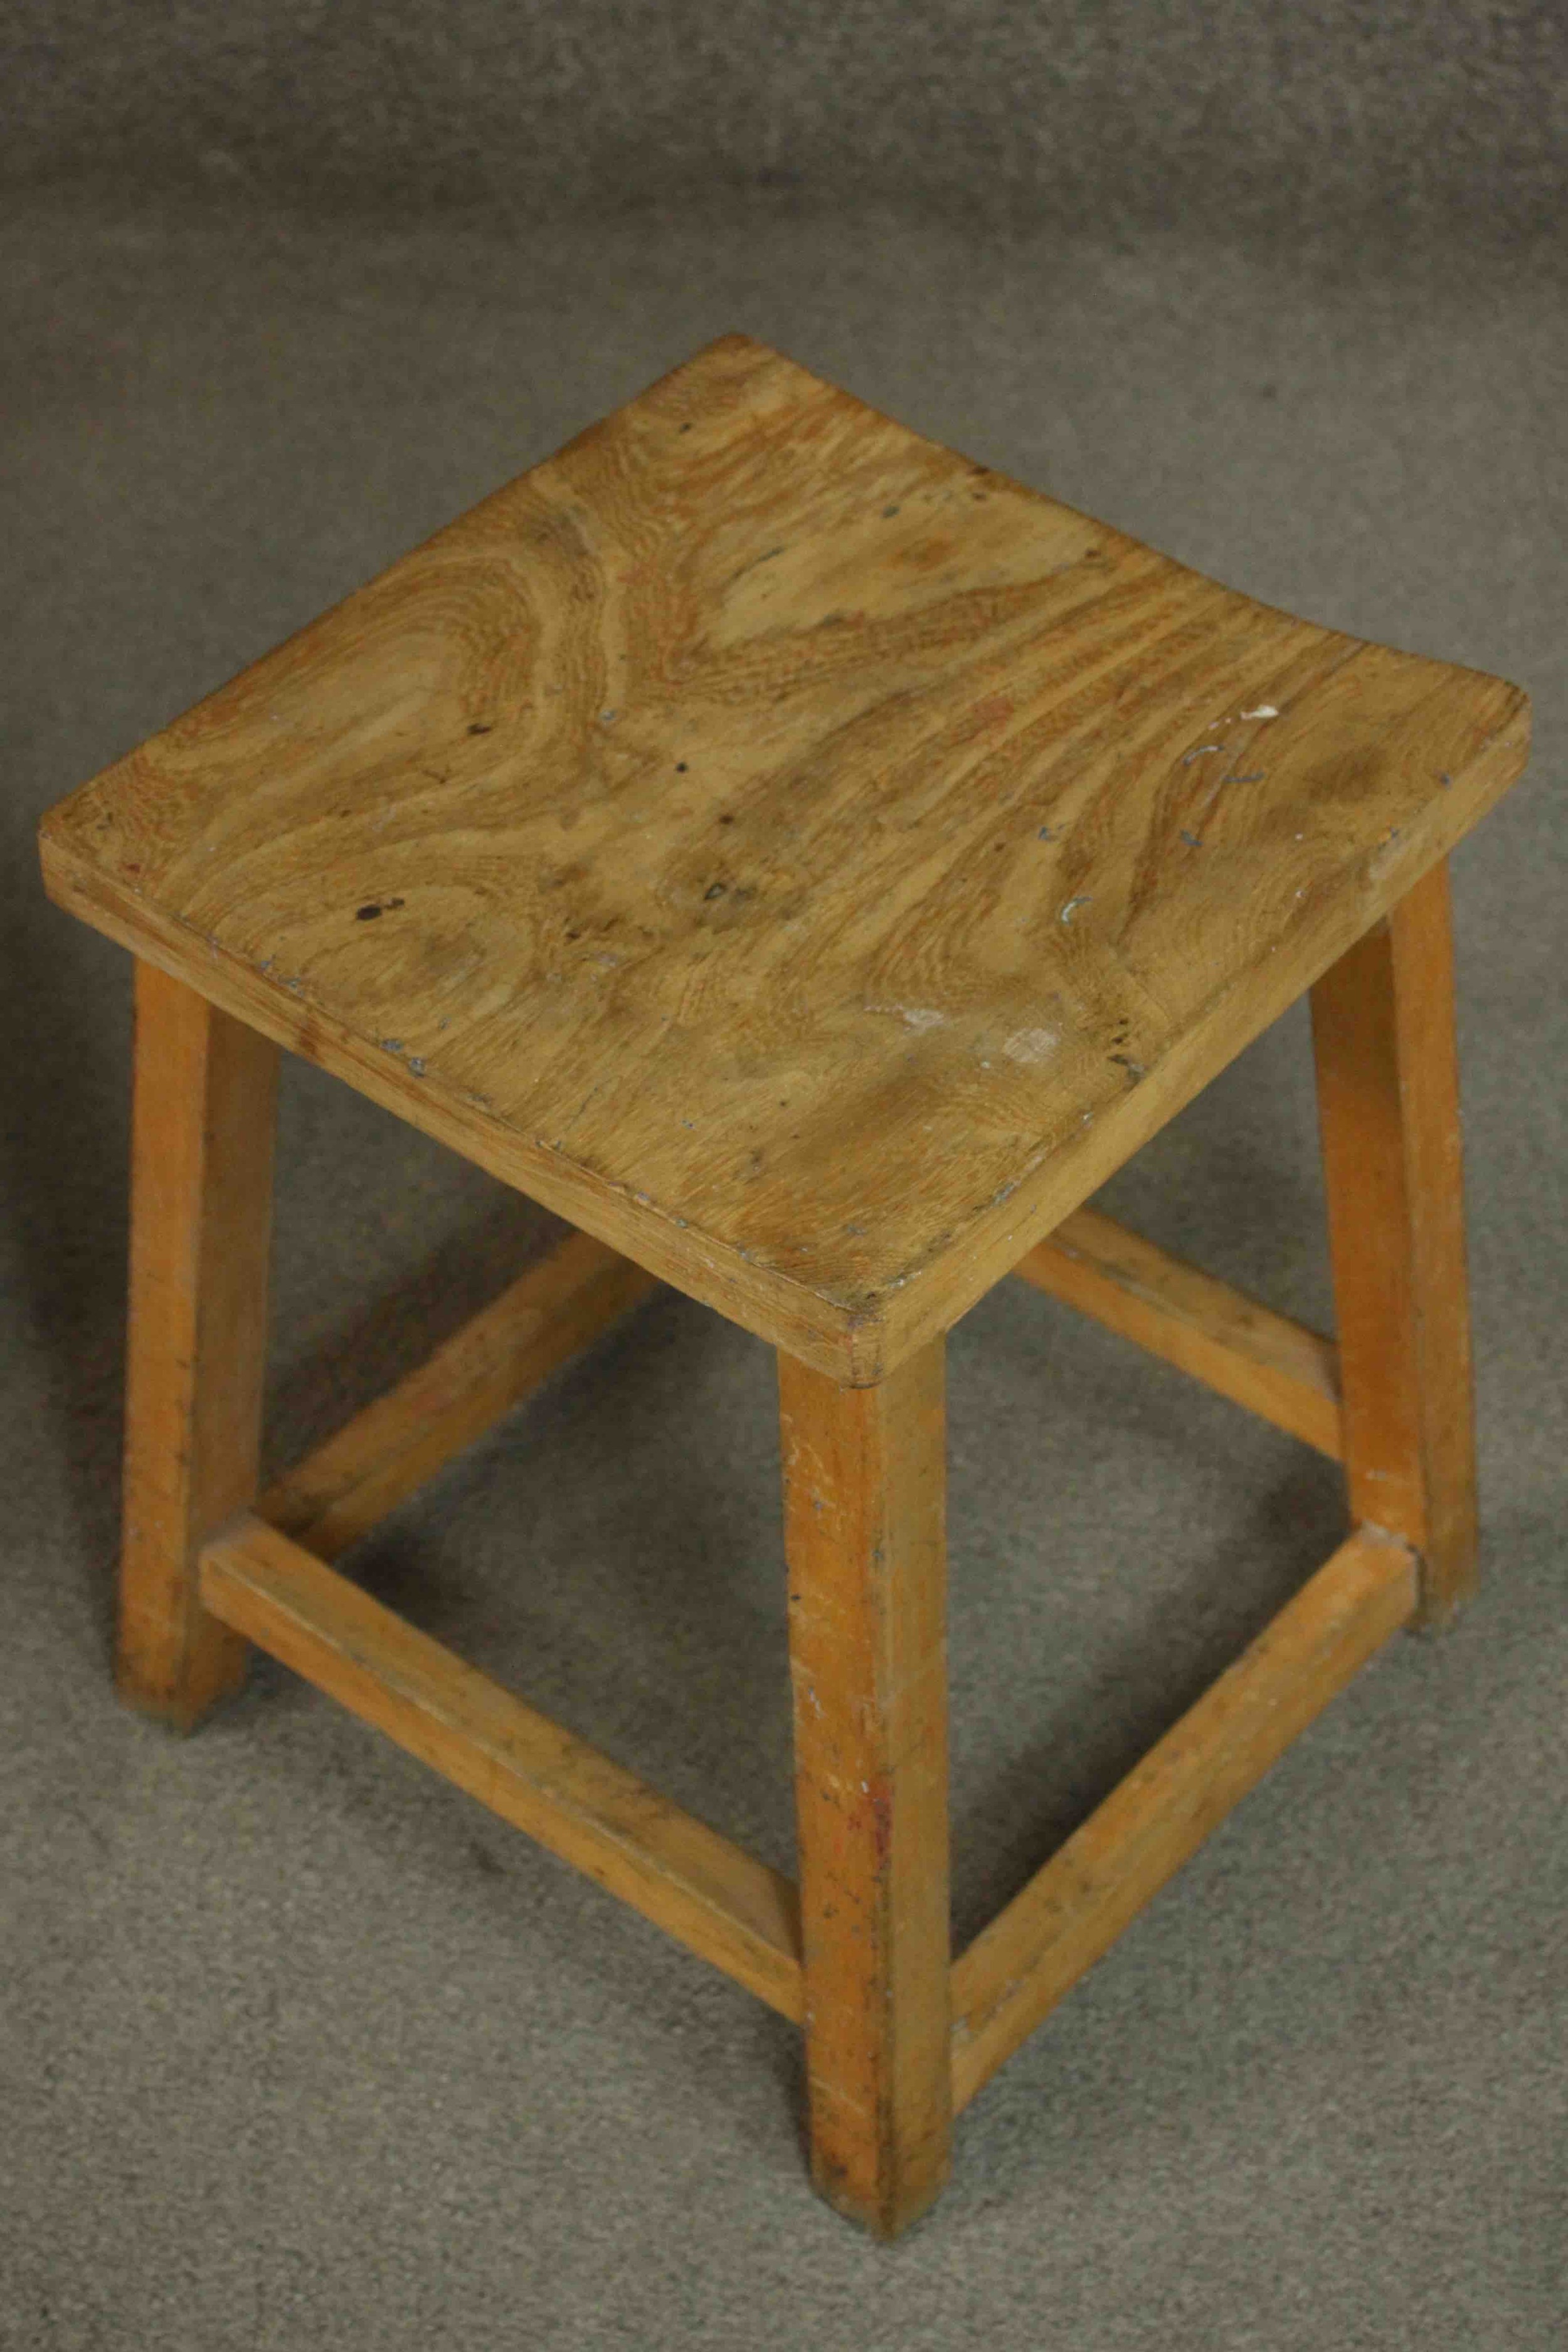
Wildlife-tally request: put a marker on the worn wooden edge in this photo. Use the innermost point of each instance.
(1275, 1366)
(1072, 1911)
(705, 1892)
(388, 1451)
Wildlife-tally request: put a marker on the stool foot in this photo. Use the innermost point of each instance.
(1383, 1026)
(864, 1507)
(201, 1203)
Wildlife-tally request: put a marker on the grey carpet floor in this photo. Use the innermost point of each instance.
(298, 2047)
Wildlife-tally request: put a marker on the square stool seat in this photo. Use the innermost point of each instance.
(810, 863)
(805, 858)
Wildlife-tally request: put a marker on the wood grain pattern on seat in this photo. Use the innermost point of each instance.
(802, 857)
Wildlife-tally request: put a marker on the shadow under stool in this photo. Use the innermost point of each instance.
(810, 863)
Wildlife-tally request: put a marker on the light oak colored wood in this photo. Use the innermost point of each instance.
(388, 1451)
(1388, 1099)
(201, 1214)
(689, 1880)
(864, 1477)
(1070, 1914)
(1273, 1366)
(811, 863)
(806, 859)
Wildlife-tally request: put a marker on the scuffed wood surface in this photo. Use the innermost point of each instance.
(865, 1529)
(799, 856)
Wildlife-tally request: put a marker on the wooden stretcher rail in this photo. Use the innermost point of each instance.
(684, 1877)
(388, 1452)
(1073, 1910)
(1275, 1366)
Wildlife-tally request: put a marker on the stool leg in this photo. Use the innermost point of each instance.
(865, 1479)
(201, 1207)
(1388, 1098)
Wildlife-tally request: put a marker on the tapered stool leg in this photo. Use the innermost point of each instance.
(864, 1477)
(201, 1205)
(1383, 1026)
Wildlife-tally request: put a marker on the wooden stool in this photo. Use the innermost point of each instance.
(810, 863)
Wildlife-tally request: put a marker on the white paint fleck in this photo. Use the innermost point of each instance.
(1031, 1044)
(1070, 909)
(1264, 710)
(915, 1016)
